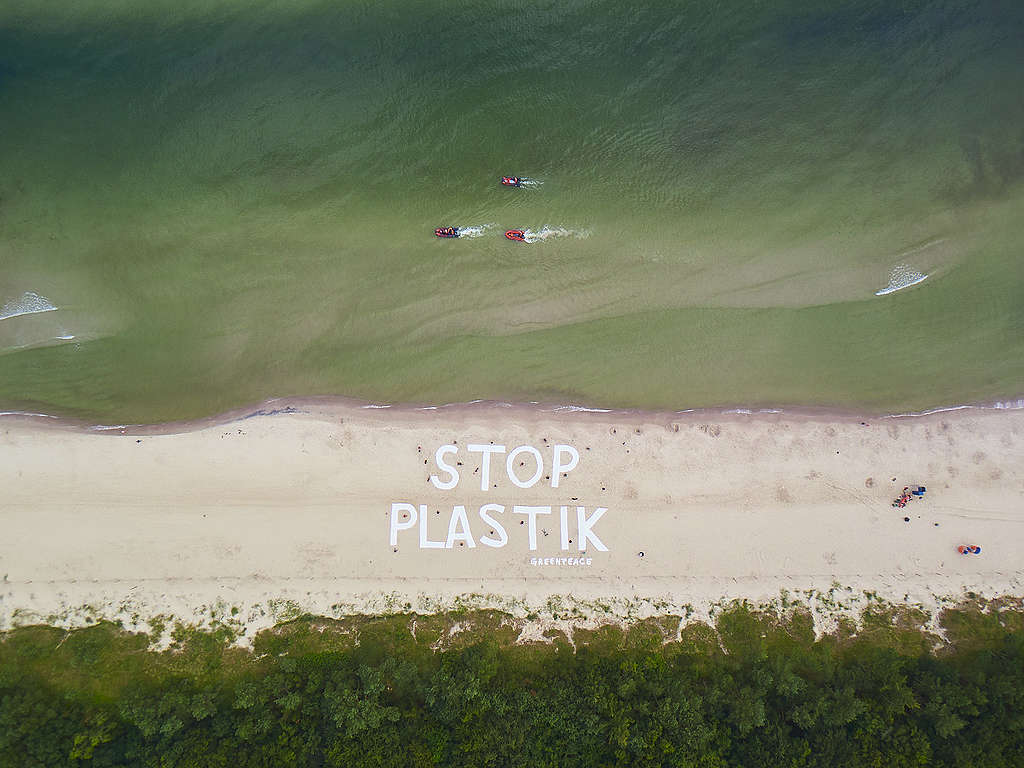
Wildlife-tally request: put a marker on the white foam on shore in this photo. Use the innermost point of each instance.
(902, 276)
(1008, 405)
(999, 405)
(29, 303)
(933, 410)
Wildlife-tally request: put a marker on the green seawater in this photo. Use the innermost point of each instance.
(228, 201)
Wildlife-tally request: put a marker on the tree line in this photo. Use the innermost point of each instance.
(756, 689)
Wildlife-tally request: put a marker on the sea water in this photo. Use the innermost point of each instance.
(791, 203)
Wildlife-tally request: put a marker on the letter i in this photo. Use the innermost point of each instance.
(565, 527)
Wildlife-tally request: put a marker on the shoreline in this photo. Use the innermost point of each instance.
(330, 404)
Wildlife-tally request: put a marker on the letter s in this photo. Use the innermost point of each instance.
(445, 485)
(502, 539)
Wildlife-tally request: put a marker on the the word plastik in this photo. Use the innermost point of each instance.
(564, 459)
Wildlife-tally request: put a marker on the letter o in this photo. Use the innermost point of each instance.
(510, 466)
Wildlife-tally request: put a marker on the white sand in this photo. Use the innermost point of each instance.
(257, 519)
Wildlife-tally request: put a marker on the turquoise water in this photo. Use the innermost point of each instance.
(231, 201)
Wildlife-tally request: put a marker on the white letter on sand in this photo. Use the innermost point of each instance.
(585, 524)
(502, 539)
(532, 526)
(426, 543)
(445, 485)
(511, 472)
(459, 516)
(557, 468)
(565, 527)
(396, 524)
(485, 462)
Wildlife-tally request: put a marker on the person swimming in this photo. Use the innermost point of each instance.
(511, 181)
(447, 231)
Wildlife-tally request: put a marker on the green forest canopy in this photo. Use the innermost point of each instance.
(756, 689)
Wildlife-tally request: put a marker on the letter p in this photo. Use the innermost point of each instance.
(397, 523)
(557, 467)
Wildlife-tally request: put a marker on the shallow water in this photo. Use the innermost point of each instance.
(229, 201)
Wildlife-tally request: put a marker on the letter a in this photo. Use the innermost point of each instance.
(459, 518)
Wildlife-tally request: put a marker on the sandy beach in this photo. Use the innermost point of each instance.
(331, 509)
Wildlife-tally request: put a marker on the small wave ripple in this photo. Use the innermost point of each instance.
(902, 277)
(29, 303)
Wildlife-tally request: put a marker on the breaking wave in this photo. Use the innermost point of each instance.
(902, 277)
(29, 303)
